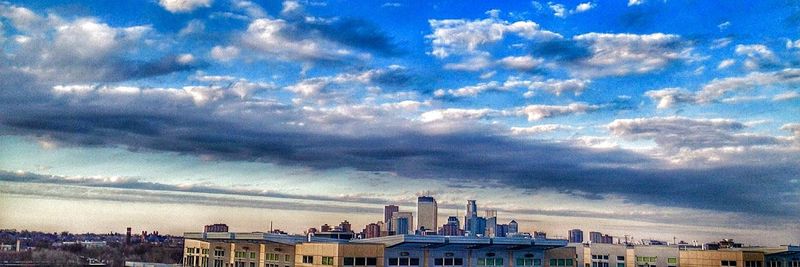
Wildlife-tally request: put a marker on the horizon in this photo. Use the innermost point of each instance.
(651, 118)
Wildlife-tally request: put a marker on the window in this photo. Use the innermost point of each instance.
(372, 261)
(252, 255)
(414, 262)
(361, 261)
(252, 264)
(327, 260)
(620, 264)
(493, 261)
(553, 262)
(620, 258)
(528, 262)
(219, 253)
(672, 260)
(727, 263)
(287, 258)
(308, 259)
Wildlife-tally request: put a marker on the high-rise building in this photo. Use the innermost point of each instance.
(325, 228)
(403, 223)
(427, 213)
(388, 211)
(480, 226)
(575, 236)
(471, 218)
(217, 227)
(491, 223)
(345, 226)
(372, 230)
(513, 227)
(501, 230)
(128, 236)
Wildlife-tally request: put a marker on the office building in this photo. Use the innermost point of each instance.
(491, 223)
(471, 217)
(427, 213)
(388, 211)
(788, 258)
(451, 228)
(597, 237)
(345, 226)
(513, 227)
(575, 236)
(501, 230)
(403, 223)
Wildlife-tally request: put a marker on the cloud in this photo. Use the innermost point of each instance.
(635, 2)
(465, 37)
(225, 54)
(676, 133)
(538, 112)
(621, 54)
(193, 27)
(577, 86)
(183, 6)
(583, 7)
(718, 88)
(723, 26)
(724, 64)
(558, 9)
(758, 56)
(786, 96)
(521, 63)
(539, 129)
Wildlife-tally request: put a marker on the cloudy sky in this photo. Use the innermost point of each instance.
(650, 118)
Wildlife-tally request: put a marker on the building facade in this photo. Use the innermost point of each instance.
(427, 213)
(575, 236)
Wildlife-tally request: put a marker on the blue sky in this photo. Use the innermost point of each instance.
(649, 118)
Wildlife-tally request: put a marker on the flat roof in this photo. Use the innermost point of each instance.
(259, 236)
(436, 241)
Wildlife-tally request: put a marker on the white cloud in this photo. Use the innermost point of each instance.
(726, 63)
(183, 6)
(583, 7)
(539, 129)
(538, 112)
(758, 55)
(185, 59)
(391, 4)
(668, 97)
(521, 63)
(474, 90)
(786, 96)
(721, 42)
(476, 62)
(455, 114)
(225, 54)
(459, 36)
(635, 2)
(577, 86)
(267, 36)
(194, 26)
(22, 17)
(723, 26)
(291, 7)
(620, 54)
(558, 9)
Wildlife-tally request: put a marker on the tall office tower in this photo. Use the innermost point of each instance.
(388, 211)
(452, 227)
(427, 213)
(403, 223)
(453, 220)
(470, 219)
(501, 230)
(480, 226)
(491, 223)
(596, 237)
(575, 236)
(387, 216)
(513, 227)
(128, 236)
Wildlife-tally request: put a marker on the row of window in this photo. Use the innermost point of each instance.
(646, 259)
(728, 263)
(245, 254)
(404, 261)
(528, 262)
(490, 261)
(561, 262)
(448, 261)
(752, 263)
(599, 257)
(277, 257)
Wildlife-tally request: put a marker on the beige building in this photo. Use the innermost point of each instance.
(723, 258)
(427, 213)
(338, 254)
(560, 257)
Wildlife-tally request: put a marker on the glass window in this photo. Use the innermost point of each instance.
(537, 262)
(414, 262)
(520, 262)
(308, 259)
(620, 258)
(393, 261)
(404, 261)
(498, 262)
(561, 262)
(620, 264)
(361, 261)
(438, 261)
(448, 261)
(553, 262)
(481, 261)
(458, 261)
(672, 260)
(372, 261)
(327, 260)
(349, 261)
(569, 262)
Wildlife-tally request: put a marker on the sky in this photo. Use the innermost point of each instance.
(649, 118)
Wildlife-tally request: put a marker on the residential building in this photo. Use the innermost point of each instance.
(513, 227)
(721, 257)
(372, 230)
(621, 255)
(388, 211)
(427, 213)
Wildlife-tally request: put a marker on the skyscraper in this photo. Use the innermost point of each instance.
(491, 223)
(372, 230)
(470, 219)
(388, 211)
(403, 223)
(513, 227)
(575, 236)
(427, 213)
(596, 237)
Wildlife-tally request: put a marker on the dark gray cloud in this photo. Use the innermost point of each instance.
(464, 157)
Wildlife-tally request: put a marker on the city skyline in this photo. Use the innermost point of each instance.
(644, 117)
